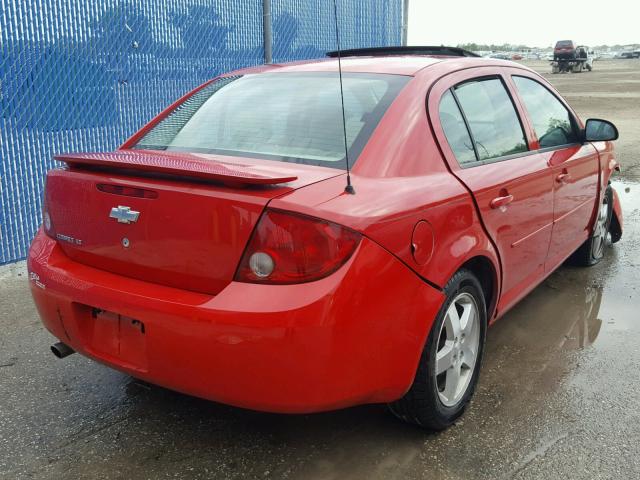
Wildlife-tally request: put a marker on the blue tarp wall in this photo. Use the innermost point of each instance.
(85, 74)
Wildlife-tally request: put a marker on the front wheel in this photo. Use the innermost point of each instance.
(450, 362)
(592, 250)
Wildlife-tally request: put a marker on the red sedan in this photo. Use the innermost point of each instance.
(218, 253)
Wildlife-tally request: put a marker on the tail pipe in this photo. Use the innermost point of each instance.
(62, 350)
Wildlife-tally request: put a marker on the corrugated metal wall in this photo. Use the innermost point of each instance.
(84, 74)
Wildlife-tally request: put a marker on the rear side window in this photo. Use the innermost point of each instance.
(455, 130)
(292, 117)
(551, 120)
(492, 118)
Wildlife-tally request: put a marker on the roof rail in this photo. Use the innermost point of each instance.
(409, 50)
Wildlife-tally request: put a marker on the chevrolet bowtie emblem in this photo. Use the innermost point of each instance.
(124, 214)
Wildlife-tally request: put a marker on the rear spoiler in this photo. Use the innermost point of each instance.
(179, 164)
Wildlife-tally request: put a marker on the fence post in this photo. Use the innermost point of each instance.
(405, 21)
(267, 31)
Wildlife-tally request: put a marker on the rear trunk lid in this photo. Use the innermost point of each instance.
(175, 219)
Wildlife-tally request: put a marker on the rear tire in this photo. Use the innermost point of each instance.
(454, 348)
(593, 249)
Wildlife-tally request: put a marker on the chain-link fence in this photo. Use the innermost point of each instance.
(84, 75)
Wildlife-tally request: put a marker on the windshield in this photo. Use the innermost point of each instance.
(564, 44)
(293, 117)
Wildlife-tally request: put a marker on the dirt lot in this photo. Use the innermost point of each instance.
(611, 91)
(558, 396)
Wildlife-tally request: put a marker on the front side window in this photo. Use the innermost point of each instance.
(455, 130)
(293, 117)
(551, 120)
(492, 118)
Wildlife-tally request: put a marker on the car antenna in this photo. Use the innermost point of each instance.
(349, 188)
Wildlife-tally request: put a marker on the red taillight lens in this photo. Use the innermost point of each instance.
(293, 248)
(46, 218)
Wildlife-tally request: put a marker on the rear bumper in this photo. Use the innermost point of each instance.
(354, 337)
(564, 55)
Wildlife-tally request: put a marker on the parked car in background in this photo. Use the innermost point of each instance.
(564, 50)
(217, 252)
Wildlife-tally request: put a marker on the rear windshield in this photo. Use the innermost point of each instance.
(564, 44)
(293, 117)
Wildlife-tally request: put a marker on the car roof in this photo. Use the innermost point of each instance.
(387, 64)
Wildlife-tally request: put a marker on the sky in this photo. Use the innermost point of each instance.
(537, 23)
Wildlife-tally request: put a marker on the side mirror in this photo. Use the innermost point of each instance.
(597, 130)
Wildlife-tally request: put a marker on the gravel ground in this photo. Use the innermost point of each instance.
(557, 398)
(611, 91)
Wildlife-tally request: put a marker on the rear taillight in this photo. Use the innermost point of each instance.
(46, 217)
(46, 221)
(292, 248)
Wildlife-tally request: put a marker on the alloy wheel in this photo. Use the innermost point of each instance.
(458, 345)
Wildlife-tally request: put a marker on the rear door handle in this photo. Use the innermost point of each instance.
(563, 177)
(501, 201)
